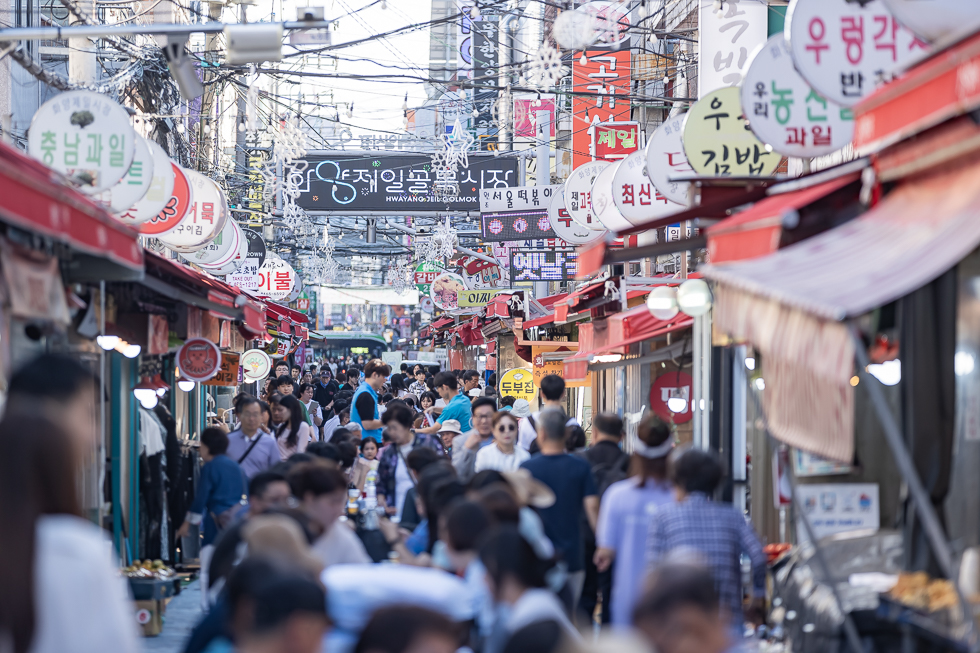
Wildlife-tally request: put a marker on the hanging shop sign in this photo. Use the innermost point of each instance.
(475, 298)
(427, 305)
(396, 183)
(634, 194)
(303, 303)
(847, 49)
(526, 108)
(256, 246)
(601, 87)
(479, 274)
(613, 141)
(228, 374)
(234, 263)
(297, 288)
(276, 279)
(935, 19)
(666, 160)
(160, 190)
(839, 507)
(578, 194)
(719, 143)
(134, 184)
(246, 276)
(198, 359)
(485, 74)
(518, 384)
(445, 290)
(516, 213)
(425, 273)
(785, 112)
(567, 229)
(674, 386)
(83, 135)
(219, 249)
(207, 210)
(542, 265)
(725, 41)
(175, 209)
(603, 205)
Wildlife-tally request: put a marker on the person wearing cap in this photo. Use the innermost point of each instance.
(552, 396)
(466, 445)
(624, 516)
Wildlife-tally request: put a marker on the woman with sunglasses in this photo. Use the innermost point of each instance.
(502, 455)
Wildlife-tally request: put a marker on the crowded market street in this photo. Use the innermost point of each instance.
(490, 326)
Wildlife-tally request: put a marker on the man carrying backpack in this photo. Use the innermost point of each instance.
(610, 464)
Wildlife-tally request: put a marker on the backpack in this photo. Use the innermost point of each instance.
(605, 474)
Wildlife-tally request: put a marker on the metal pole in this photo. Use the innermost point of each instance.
(920, 497)
(82, 53)
(739, 444)
(101, 31)
(543, 175)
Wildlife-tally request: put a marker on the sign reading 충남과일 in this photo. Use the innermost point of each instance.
(400, 183)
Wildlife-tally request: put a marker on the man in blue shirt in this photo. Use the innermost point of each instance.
(457, 405)
(364, 404)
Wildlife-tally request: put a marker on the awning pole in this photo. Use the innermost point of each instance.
(920, 498)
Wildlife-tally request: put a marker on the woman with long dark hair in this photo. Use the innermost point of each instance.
(293, 432)
(624, 515)
(59, 591)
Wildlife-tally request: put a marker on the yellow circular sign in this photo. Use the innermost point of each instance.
(518, 384)
(718, 141)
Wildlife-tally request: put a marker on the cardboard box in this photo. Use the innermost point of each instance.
(149, 615)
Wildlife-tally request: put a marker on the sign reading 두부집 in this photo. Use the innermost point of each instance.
(518, 383)
(401, 183)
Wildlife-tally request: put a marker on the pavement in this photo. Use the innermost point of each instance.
(183, 613)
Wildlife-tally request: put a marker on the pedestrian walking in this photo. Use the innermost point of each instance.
(250, 446)
(553, 396)
(60, 591)
(466, 446)
(394, 475)
(503, 455)
(293, 433)
(625, 511)
(221, 492)
(321, 489)
(458, 405)
(717, 532)
(570, 478)
(364, 404)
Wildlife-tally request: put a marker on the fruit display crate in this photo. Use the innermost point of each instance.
(150, 589)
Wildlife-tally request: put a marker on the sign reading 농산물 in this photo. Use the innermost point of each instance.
(718, 142)
(400, 183)
(847, 49)
(784, 111)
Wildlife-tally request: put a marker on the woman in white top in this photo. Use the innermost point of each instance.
(59, 589)
(293, 432)
(503, 455)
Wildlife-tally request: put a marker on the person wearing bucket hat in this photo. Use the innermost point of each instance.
(450, 428)
(521, 408)
(621, 533)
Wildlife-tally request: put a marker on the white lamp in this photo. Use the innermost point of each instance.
(889, 372)
(131, 351)
(662, 302)
(107, 342)
(694, 297)
(677, 405)
(185, 384)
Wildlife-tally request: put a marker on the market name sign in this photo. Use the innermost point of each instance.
(475, 298)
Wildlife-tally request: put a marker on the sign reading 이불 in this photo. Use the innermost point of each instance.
(401, 183)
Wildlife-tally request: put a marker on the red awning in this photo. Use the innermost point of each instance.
(941, 87)
(757, 230)
(278, 312)
(627, 328)
(33, 197)
(498, 307)
(539, 321)
(442, 323)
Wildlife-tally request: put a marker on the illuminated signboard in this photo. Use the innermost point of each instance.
(542, 265)
(516, 213)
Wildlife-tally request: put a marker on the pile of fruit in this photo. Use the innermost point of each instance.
(149, 569)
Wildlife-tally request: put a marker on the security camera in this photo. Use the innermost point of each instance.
(309, 13)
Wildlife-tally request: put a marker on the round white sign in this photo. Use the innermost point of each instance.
(785, 112)
(578, 194)
(256, 365)
(276, 278)
(203, 214)
(846, 49)
(666, 159)
(235, 259)
(159, 192)
(935, 19)
(83, 135)
(602, 200)
(426, 305)
(445, 290)
(635, 196)
(134, 184)
(220, 248)
(567, 229)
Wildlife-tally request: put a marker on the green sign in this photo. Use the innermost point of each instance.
(425, 274)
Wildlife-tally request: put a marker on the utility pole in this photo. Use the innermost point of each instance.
(83, 52)
(543, 175)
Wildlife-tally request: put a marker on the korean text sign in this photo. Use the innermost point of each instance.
(615, 141)
(604, 82)
(725, 42)
(516, 213)
(380, 181)
(542, 265)
(718, 142)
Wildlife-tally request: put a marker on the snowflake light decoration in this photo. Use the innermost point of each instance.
(398, 275)
(451, 153)
(545, 68)
(288, 150)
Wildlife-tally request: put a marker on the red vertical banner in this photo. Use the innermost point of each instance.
(602, 88)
